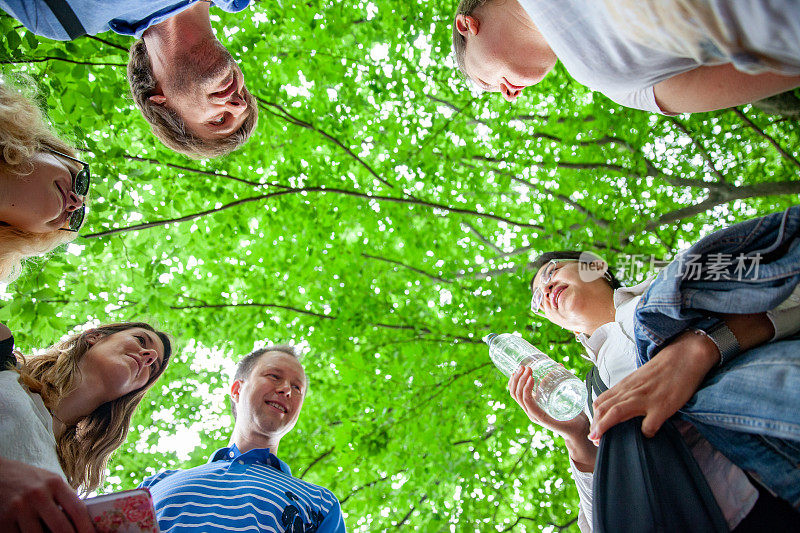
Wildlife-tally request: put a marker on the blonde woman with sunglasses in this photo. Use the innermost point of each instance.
(42, 184)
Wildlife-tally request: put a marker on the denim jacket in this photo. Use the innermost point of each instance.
(748, 408)
(750, 267)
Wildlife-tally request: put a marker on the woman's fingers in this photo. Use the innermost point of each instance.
(528, 391)
(35, 499)
(512, 386)
(54, 518)
(653, 422)
(612, 413)
(29, 523)
(75, 509)
(519, 393)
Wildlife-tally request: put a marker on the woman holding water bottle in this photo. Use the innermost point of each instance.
(577, 292)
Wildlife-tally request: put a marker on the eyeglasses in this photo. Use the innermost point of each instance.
(547, 274)
(80, 186)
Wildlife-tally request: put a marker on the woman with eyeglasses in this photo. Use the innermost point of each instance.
(63, 413)
(42, 185)
(577, 291)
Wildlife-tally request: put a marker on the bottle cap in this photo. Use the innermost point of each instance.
(488, 338)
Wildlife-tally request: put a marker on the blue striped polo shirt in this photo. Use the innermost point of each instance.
(234, 491)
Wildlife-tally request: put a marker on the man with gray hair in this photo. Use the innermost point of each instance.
(245, 486)
(183, 80)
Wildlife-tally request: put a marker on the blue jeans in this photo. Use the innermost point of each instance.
(698, 282)
(750, 411)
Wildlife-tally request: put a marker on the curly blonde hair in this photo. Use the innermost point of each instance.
(24, 132)
(84, 448)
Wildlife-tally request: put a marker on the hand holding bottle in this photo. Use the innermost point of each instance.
(557, 392)
(575, 432)
(522, 386)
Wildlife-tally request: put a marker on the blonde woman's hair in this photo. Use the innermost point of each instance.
(17, 245)
(24, 133)
(85, 447)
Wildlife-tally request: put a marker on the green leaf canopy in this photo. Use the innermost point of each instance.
(383, 217)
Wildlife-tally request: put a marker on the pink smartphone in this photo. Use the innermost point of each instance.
(129, 511)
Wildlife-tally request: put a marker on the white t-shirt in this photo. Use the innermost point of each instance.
(26, 427)
(600, 51)
(612, 350)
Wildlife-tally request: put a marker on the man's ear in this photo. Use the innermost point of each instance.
(236, 386)
(467, 24)
(158, 99)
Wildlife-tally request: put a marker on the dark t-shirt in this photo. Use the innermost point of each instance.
(7, 359)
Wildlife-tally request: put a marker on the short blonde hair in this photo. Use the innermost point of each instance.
(24, 132)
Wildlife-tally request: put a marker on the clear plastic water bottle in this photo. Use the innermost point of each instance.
(558, 392)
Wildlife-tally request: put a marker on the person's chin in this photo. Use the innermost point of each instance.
(532, 76)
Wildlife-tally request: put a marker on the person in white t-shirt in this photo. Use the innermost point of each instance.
(63, 413)
(678, 56)
(601, 314)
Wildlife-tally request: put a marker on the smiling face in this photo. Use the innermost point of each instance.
(504, 51)
(269, 400)
(42, 200)
(571, 302)
(122, 362)
(206, 88)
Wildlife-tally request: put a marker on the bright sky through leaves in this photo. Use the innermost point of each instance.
(383, 216)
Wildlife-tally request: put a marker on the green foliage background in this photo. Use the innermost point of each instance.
(384, 216)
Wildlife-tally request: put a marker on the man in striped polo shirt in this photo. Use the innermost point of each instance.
(245, 487)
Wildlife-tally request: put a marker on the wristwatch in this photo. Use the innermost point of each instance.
(721, 335)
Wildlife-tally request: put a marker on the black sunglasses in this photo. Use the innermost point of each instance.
(80, 186)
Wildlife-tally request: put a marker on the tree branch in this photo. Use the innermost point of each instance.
(483, 274)
(518, 520)
(603, 223)
(282, 113)
(370, 484)
(66, 60)
(398, 263)
(315, 461)
(109, 43)
(571, 165)
(322, 190)
(185, 218)
(652, 170)
(203, 172)
(700, 148)
(765, 135)
(253, 304)
(481, 238)
(405, 327)
(735, 193)
(413, 508)
(502, 484)
(486, 435)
